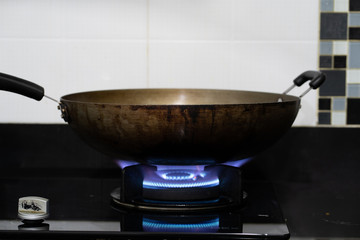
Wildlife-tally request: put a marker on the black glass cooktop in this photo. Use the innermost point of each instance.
(81, 207)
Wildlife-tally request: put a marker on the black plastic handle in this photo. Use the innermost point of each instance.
(316, 79)
(20, 86)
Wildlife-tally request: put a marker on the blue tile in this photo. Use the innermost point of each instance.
(353, 90)
(354, 19)
(338, 104)
(327, 5)
(326, 47)
(354, 55)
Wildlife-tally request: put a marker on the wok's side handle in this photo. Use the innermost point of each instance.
(20, 86)
(316, 79)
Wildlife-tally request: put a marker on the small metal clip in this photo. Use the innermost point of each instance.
(64, 113)
(62, 108)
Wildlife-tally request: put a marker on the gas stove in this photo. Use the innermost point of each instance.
(138, 201)
(174, 188)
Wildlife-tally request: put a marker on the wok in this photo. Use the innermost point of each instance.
(176, 126)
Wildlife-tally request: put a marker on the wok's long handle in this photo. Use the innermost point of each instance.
(29, 89)
(316, 79)
(20, 86)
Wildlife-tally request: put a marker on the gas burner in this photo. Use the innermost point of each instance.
(177, 175)
(179, 183)
(179, 188)
(170, 206)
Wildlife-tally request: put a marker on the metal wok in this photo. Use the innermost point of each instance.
(176, 126)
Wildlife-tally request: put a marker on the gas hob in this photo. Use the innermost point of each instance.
(81, 207)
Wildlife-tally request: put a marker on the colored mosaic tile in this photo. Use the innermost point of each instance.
(324, 103)
(354, 5)
(340, 48)
(338, 104)
(339, 61)
(354, 19)
(341, 5)
(326, 47)
(353, 113)
(338, 118)
(354, 55)
(325, 62)
(353, 76)
(324, 118)
(354, 33)
(353, 90)
(327, 5)
(333, 26)
(335, 83)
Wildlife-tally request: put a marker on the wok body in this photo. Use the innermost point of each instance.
(180, 126)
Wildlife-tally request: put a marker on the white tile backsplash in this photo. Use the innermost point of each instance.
(271, 67)
(64, 67)
(288, 20)
(69, 46)
(109, 19)
(190, 64)
(190, 20)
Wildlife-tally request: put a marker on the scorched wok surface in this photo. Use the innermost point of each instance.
(180, 126)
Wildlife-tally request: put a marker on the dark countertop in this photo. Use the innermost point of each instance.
(316, 175)
(314, 171)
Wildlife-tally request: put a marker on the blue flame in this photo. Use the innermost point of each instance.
(178, 175)
(175, 177)
(150, 225)
(237, 163)
(166, 185)
(125, 163)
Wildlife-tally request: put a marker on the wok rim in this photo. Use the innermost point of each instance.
(285, 97)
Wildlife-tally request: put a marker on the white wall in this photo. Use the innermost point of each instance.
(69, 46)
